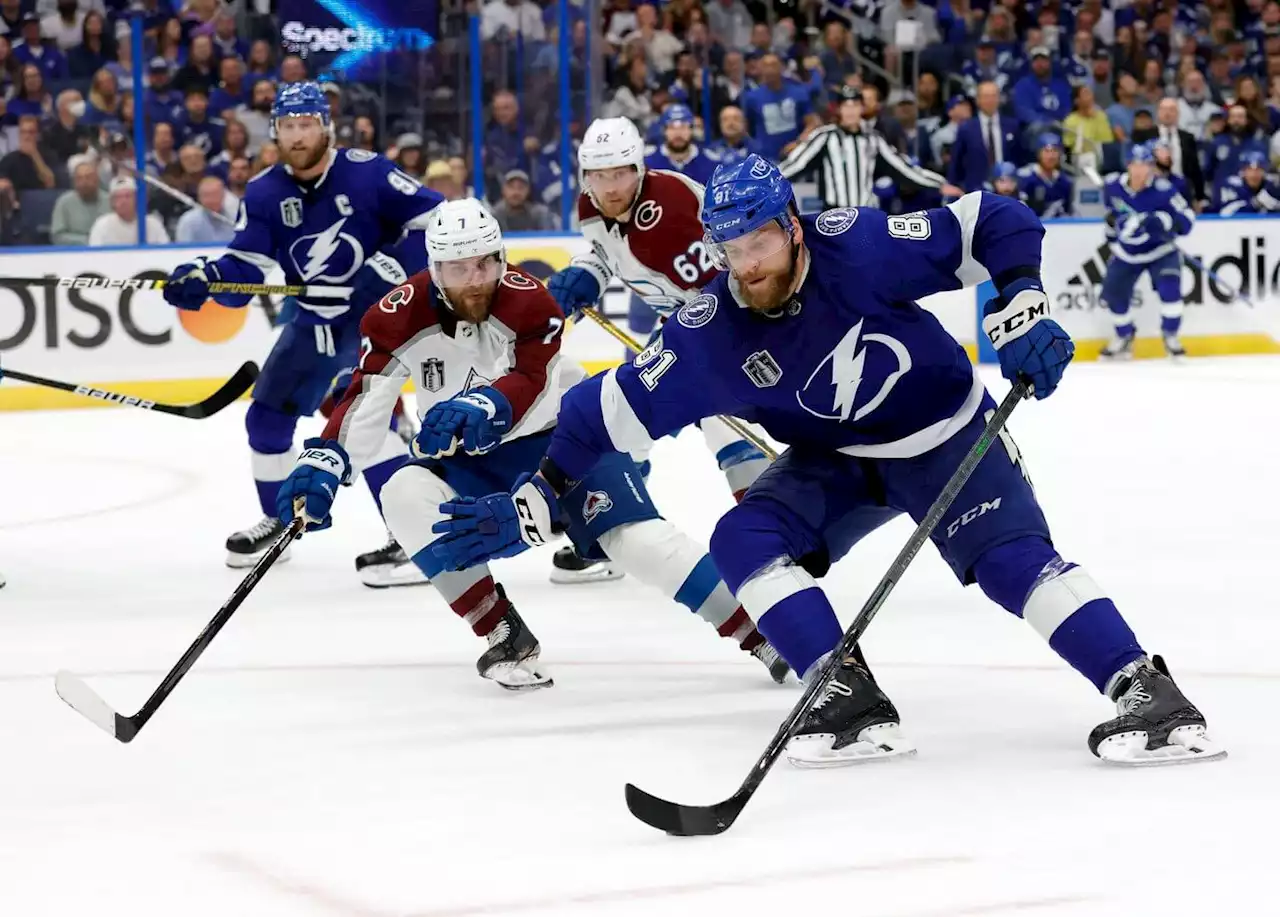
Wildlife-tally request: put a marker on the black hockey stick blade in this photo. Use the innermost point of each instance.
(82, 699)
(229, 392)
(686, 821)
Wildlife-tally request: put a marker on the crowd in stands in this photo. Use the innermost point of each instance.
(983, 93)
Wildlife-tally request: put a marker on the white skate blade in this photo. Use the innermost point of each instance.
(519, 676)
(875, 743)
(1187, 745)
(596, 573)
(242, 561)
(387, 576)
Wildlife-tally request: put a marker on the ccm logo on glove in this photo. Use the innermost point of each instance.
(1013, 321)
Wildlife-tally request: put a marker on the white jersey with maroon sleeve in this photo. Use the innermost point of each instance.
(659, 253)
(410, 333)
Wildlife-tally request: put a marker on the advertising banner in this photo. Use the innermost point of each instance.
(349, 39)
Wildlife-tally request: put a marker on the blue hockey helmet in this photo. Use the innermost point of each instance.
(1253, 159)
(742, 197)
(1048, 140)
(677, 114)
(295, 100)
(1141, 152)
(1004, 170)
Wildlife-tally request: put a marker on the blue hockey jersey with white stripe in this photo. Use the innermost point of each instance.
(850, 362)
(1131, 240)
(699, 166)
(1234, 196)
(1048, 195)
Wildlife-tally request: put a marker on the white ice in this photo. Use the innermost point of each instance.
(334, 753)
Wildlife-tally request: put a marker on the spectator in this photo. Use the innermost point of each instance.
(169, 44)
(197, 128)
(409, 156)
(32, 98)
(231, 90)
(504, 19)
(226, 42)
(199, 70)
(9, 74)
(1249, 94)
(161, 102)
(1100, 79)
(66, 136)
(837, 58)
(1130, 53)
(1219, 77)
(731, 22)
(874, 118)
(1040, 99)
(256, 115)
(686, 84)
(515, 212)
(896, 12)
(982, 141)
(104, 99)
(1195, 107)
(27, 167)
(634, 98)
(943, 140)
(120, 226)
(213, 222)
(984, 69)
(731, 83)
(75, 211)
(1225, 150)
(239, 171)
(33, 49)
(777, 110)
(293, 69)
(929, 101)
(734, 143)
(504, 148)
(1087, 128)
(461, 174)
(122, 67)
(1078, 66)
(1126, 106)
(344, 126)
(11, 16)
(366, 135)
(268, 156)
(261, 62)
(660, 46)
(95, 49)
(185, 176)
(620, 19)
(235, 144)
(1152, 89)
(1183, 151)
(163, 154)
(439, 178)
(65, 27)
(761, 40)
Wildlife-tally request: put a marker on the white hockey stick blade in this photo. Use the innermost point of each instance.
(82, 699)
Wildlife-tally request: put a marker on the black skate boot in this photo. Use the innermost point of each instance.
(1156, 725)
(1173, 348)
(776, 665)
(1119, 347)
(245, 548)
(568, 567)
(512, 657)
(853, 721)
(389, 566)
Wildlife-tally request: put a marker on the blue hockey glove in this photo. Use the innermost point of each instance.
(574, 289)
(1158, 224)
(476, 421)
(322, 466)
(1027, 341)
(188, 285)
(499, 525)
(377, 277)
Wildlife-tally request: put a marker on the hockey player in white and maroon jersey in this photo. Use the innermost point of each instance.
(644, 229)
(482, 341)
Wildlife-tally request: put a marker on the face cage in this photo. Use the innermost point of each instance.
(720, 257)
(438, 281)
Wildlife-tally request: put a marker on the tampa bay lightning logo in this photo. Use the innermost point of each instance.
(835, 221)
(834, 391)
(331, 256)
(698, 311)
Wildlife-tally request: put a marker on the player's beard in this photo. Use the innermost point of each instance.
(770, 291)
(301, 159)
(471, 304)
(679, 148)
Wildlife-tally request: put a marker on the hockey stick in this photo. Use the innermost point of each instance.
(230, 392)
(81, 698)
(683, 821)
(220, 286)
(732, 422)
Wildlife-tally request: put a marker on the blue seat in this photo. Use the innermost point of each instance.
(37, 214)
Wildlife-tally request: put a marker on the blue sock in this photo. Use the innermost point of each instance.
(376, 476)
(802, 627)
(1170, 325)
(1096, 641)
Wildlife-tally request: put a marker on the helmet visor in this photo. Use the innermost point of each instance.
(477, 271)
(745, 252)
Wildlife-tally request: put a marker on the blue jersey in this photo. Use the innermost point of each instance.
(722, 152)
(776, 118)
(1234, 196)
(1048, 195)
(974, 73)
(206, 134)
(323, 232)
(849, 363)
(698, 167)
(1133, 242)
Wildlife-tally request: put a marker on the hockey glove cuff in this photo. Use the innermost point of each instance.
(322, 467)
(573, 289)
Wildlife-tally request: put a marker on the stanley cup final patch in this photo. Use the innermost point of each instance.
(762, 369)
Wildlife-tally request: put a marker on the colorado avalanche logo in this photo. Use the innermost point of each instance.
(698, 311)
(647, 215)
(835, 221)
(332, 256)
(519, 281)
(597, 502)
(832, 390)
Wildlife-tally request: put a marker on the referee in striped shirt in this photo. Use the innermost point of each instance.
(848, 157)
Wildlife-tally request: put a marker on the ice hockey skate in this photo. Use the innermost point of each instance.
(1119, 347)
(512, 657)
(776, 665)
(1173, 348)
(1156, 725)
(389, 566)
(246, 547)
(568, 568)
(853, 722)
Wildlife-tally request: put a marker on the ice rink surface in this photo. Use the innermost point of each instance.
(334, 753)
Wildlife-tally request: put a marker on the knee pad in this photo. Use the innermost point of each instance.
(1007, 572)
(746, 541)
(270, 431)
(411, 501)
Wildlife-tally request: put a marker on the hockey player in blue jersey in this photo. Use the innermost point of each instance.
(336, 221)
(815, 334)
(1145, 215)
(1004, 181)
(1251, 191)
(1164, 168)
(679, 153)
(1042, 185)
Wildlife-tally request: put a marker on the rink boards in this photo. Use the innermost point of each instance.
(138, 344)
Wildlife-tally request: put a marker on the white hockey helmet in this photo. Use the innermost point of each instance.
(463, 230)
(609, 144)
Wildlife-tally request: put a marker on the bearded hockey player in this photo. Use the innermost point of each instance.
(1145, 215)
(815, 333)
(643, 228)
(482, 341)
(1251, 191)
(325, 216)
(679, 153)
(1042, 185)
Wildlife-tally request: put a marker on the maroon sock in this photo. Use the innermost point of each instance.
(740, 628)
(481, 606)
